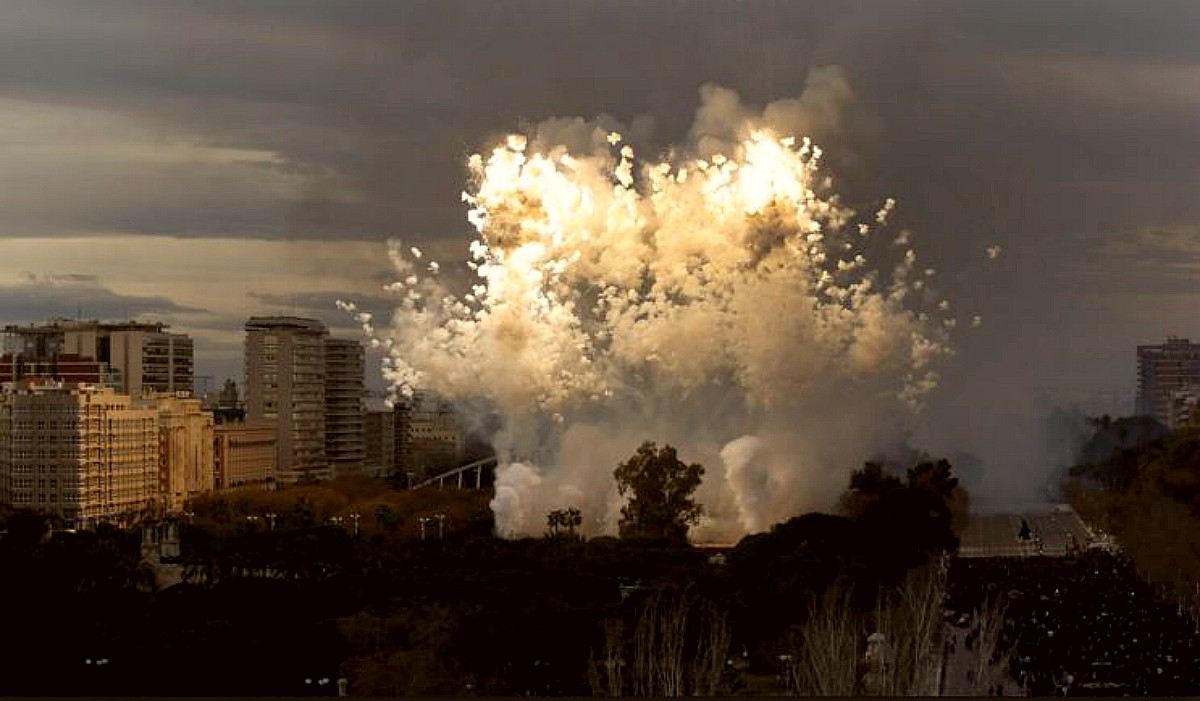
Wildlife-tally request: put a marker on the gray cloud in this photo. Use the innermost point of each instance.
(369, 101)
(41, 297)
(325, 303)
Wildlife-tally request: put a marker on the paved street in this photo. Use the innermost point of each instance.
(997, 535)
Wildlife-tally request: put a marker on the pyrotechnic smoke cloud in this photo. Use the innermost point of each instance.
(719, 299)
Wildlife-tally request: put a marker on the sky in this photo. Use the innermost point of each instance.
(197, 163)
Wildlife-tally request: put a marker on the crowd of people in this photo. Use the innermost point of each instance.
(1076, 626)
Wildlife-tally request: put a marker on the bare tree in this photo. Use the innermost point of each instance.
(677, 648)
(606, 674)
(824, 651)
(893, 651)
(712, 649)
(910, 620)
(658, 641)
(986, 674)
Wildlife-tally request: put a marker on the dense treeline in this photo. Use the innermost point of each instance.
(1142, 483)
(279, 589)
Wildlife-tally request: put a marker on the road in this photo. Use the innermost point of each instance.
(997, 535)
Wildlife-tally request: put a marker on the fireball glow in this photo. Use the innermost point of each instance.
(690, 301)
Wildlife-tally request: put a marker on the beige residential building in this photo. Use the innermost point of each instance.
(285, 384)
(344, 406)
(185, 447)
(81, 452)
(244, 454)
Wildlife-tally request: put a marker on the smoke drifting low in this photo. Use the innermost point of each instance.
(719, 299)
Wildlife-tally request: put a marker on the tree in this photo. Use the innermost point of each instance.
(563, 522)
(659, 486)
(934, 477)
(867, 486)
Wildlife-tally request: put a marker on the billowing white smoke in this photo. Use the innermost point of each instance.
(515, 486)
(748, 480)
(721, 292)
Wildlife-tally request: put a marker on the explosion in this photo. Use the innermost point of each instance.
(725, 305)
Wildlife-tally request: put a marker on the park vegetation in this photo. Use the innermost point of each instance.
(404, 592)
(1141, 483)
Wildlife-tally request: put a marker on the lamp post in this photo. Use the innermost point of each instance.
(441, 521)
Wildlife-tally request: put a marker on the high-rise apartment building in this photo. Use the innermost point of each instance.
(379, 442)
(132, 357)
(344, 405)
(83, 453)
(1164, 370)
(185, 447)
(285, 383)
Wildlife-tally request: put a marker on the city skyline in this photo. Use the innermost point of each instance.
(202, 164)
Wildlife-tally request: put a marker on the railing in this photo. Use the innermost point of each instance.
(478, 466)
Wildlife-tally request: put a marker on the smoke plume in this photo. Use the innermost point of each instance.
(718, 299)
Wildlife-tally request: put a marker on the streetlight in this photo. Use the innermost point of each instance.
(441, 521)
(271, 518)
(355, 515)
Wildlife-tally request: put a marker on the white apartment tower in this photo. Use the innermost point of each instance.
(285, 383)
(1166, 370)
(138, 357)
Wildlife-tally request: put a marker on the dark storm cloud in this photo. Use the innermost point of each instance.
(325, 303)
(963, 108)
(41, 297)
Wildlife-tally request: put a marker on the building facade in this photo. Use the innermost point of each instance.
(1168, 370)
(186, 466)
(83, 453)
(344, 367)
(245, 454)
(379, 442)
(132, 357)
(285, 384)
(429, 435)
